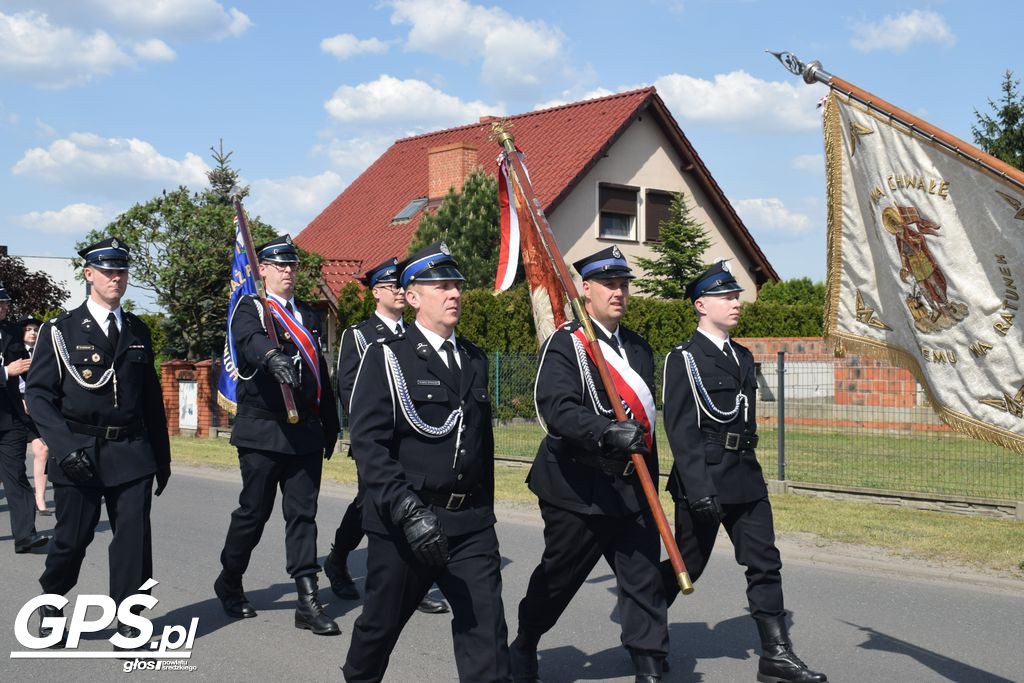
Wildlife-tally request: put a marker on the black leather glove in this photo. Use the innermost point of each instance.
(622, 439)
(707, 510)
(162, 475)
(77, 466)
(422, 531)
(282, 368)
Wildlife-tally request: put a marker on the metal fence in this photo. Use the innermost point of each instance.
(851, 422)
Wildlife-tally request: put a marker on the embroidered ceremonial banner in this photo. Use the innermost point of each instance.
(924, 265)
(519, 236)
(242, 284)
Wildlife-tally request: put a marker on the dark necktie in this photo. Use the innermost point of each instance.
(613, 341)
(399, 327)
(288, 305)
(728, 351)
(453, 366)
(112, 332)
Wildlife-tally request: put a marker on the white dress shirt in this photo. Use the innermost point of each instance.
(435, 340)
(100, 313)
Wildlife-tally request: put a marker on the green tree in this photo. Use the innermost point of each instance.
(682, 243)
(1001, 134)
(793, 291)
(31, 292)
(470, 222)
(181, 244)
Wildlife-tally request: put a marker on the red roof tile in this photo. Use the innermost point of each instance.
(562, 144)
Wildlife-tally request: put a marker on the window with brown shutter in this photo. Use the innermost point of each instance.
(657, 208)
(617, 209)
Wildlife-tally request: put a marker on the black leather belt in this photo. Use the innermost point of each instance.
(611, 466)
(110, 432)
(449, 501)
(732, 441)
(260, 414)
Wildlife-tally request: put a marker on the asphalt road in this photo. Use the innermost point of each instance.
(853, 624)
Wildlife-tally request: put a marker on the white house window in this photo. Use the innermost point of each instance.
(617, 209)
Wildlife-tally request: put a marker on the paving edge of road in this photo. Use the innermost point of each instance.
(796, 548)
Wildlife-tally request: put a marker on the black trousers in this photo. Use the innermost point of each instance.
(131, 549)
(752, 531)
(350, 532)
(21, 499)
(263, 472)
(395, 584)
(573, 543)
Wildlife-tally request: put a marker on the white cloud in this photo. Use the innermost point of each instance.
(389, 101)
(352, 156)
(73, 219)
(45, 130)
(113, 165)
(154, 49)
(513, 52)
(770, 216)
(737, 99)
(809, 163)
(182, 19)
(8, 117)
(898, 33)
(34, 50)
(566, 97)
(345, 45)
(289, 204)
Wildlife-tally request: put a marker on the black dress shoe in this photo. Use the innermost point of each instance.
(336, 569)
(232, 598)
(35, 540)
(431, 606)
(129, 632)
(45, 631)
(44, 512)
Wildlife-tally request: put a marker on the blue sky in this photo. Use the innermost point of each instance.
(104, 103)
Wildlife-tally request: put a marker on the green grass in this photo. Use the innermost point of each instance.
(941, 463)
(977, 542)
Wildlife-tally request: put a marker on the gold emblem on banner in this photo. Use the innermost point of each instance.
(856, 132)
(928, 300)
(1015, 203)
(867, 315)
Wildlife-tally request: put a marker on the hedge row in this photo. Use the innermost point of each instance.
(504, 322)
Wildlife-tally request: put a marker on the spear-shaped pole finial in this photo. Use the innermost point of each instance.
(811, 73)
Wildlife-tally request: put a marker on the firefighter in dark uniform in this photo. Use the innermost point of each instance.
(423, 441)
(386, 322)
(95, 399)
(590, 499)
(14, 432)
(272, 453)
(716, 480)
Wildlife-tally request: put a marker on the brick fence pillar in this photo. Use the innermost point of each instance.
(171, 372)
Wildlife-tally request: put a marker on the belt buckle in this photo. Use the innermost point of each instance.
(732, 441)
(455, 501)
(112, 433)
(629, 469)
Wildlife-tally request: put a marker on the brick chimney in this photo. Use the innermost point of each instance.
(448, 166)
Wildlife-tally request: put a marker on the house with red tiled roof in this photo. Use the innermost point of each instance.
(604, 170)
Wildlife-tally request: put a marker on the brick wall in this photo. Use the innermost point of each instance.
(858, 380)
(448, 166)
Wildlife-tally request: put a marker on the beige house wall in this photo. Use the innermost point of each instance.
(643, 157)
